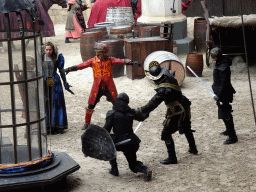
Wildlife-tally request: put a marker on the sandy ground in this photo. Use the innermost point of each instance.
(217, 167)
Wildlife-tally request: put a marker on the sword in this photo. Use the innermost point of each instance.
(203, 83)
(137, 127)
(127, 140)
(70, 91)
(122, 142)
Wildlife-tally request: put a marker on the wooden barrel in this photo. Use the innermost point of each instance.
(115, 47)
(136, 30)
(149, 31)
(121, 32)
(169, 60)
(103, 29)
(177, 67)
(87, 41)
(195, 62)
(200, 34)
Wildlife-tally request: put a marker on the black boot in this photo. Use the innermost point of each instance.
(232, 138)
(224, 133)
(172, 159)
(114, 168)
(191, 141)
(144, 169)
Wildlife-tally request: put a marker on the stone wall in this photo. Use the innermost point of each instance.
(59, 14)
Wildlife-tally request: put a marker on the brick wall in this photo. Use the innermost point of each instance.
(59, 14)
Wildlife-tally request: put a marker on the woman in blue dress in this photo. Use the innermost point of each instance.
(56, 116)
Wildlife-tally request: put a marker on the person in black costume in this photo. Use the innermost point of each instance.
(178, 109)
(224, 92)
(121, 119)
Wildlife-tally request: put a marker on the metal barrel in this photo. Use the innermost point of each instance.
(195, 62)
(121, 32)
(108, 25)
(149, 31)
(200, 34)
(87, 41)
(103, 29)
(120, 15)
(115, 47)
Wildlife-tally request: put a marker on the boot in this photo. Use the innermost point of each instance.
(114, 168)
(85, 126)
(172, 159)
(191, 141)
(67, 40)
(144, 169)
(232, 138)
(224, 133)
(88, 117)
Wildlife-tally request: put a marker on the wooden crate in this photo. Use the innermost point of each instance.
(137, 49)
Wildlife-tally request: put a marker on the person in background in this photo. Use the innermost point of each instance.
(56, 116)
(99, 10)
(224, 92)
(80, 16)
(75, 24)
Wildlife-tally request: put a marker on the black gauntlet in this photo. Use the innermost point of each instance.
(73, 68)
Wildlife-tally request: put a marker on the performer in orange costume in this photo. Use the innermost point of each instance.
(103, 81)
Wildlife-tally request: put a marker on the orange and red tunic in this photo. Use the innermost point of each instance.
(102, 73)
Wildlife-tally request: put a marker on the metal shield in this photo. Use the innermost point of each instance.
(97, 143)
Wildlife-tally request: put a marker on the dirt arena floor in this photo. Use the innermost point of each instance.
(217, 167)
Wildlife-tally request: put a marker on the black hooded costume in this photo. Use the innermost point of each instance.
(222, 86)
(224, 91)
(121, 120)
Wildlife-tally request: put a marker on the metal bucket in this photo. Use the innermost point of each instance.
(103, 29)
(108, 25)
(149, 31)
(115, 48)
(87, 41)
(121, 32)
(120, 15)
(200, 34)
(170, 61)
(195, 62)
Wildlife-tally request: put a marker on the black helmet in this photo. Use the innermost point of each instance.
(155, 71)
(124, 97)
(216, 52)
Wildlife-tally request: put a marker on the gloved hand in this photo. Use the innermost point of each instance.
(73, 68)
(216, 98)
(137, 111)
(127, 61)
(67, 86)
(66, 71)
(136, 64)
